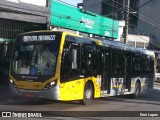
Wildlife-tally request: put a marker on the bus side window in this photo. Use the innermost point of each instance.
(70, 61)
(87, 62)
(74, 58)
(136, 64)
(117, 63)
(91, 60)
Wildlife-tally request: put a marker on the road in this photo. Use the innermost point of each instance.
(149, 101)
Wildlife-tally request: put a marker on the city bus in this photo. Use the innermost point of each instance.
(62, 66)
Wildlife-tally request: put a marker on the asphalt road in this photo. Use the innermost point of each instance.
(149, 101)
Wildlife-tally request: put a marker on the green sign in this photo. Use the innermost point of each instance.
(70, 17)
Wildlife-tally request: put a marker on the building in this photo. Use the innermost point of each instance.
(149, 21)
(116, 9)
(94, 7)
(18, 16)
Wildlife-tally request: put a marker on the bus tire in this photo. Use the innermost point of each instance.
(137, 90)
(88, 94)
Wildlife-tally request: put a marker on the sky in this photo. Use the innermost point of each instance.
(73, 2)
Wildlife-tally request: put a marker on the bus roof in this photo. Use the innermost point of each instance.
(101, 41)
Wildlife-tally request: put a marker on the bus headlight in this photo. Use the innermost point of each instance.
(13, 83)
(51, 84)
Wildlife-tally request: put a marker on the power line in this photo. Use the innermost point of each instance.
(146, 40)
(66, 3)
(136, 15)
(119, 9)
(141, 19)
(131, 9)
(149, 22)
(142, 37)
(145, 4)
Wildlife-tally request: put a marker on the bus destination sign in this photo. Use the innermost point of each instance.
(39, 38)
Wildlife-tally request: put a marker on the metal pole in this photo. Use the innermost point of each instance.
(113, 21)
(124, 4)
(126, 21)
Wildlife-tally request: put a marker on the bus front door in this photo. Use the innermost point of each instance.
(106, 78)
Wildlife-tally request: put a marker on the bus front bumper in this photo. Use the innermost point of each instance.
(52, 93)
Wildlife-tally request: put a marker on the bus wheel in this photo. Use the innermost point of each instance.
(137, 90)
(88, 94)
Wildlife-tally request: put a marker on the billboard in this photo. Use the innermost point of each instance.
(70, 17)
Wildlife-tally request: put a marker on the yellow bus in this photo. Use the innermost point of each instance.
(66, 67)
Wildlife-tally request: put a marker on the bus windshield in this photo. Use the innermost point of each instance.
(34, 58)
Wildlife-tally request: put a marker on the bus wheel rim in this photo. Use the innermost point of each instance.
(88, 93)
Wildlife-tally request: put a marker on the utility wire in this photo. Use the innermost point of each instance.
(113, 12)
(149, 21)
(154, 24)
(121, 5)
(138, 7)
(66, 3)
(145, 39)
(145, 4)
(142, 37)
(138, 17)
